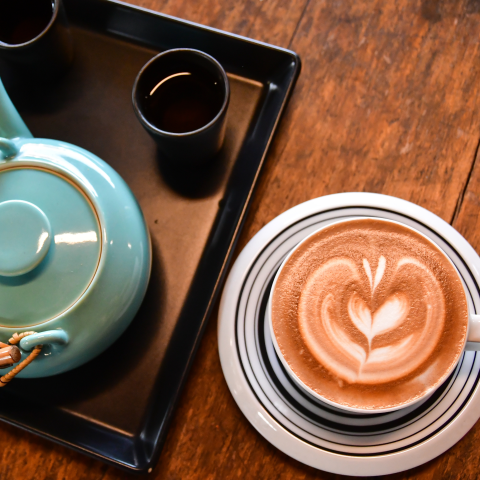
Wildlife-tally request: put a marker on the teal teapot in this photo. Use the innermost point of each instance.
(75, 254)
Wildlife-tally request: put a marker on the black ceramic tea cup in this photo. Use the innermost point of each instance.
(35, 40)
(181, 98)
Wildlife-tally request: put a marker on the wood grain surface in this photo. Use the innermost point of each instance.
(387, 102)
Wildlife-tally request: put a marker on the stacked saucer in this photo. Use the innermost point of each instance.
(302, 426)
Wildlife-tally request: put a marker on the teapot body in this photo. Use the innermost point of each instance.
(89, 274)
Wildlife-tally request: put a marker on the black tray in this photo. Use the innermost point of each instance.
(117, 407)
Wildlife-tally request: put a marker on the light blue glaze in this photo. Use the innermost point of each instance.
(7, 148)
(90, 282)
(73, 256)
(11, 123)
(25, 237)
(51, 337)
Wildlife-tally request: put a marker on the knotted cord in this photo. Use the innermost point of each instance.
(33, 355)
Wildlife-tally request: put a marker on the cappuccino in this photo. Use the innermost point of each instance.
(369, 314)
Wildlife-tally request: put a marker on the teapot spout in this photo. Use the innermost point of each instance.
(11, 123)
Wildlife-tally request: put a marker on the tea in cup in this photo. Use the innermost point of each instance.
(181, 98)
(35, 40)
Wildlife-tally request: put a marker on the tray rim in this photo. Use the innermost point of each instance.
(205, 27)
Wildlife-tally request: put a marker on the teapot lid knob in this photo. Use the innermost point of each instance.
(25, 236)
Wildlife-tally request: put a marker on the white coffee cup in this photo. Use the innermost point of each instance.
(472, 337)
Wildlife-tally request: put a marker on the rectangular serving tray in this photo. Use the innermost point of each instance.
(117, 408)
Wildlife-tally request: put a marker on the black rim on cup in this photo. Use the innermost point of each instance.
(9, 46)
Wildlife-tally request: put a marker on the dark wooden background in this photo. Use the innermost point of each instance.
(387, 101)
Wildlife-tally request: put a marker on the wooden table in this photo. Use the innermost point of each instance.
(388, 101)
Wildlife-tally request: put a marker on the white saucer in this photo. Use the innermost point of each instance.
(301, 426)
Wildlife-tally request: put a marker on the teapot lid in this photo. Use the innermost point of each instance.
(50, 244)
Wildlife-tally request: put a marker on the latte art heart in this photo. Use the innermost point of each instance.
(369, 314)
(363, 344)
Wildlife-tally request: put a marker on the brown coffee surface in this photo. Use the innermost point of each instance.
(369, 314)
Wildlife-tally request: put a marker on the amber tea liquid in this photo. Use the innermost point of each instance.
(183, 101)
(23, 20)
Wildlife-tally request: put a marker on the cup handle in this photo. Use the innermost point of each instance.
(473, 339)
(57, 337)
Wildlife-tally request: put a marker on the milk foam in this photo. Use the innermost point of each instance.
(322, 315)
(369, 314)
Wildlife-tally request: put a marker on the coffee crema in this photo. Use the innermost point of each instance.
(369, 314)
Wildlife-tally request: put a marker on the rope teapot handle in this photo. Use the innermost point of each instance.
(15, 355)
